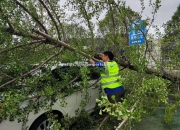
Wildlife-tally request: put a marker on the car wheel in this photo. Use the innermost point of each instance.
(42, 123)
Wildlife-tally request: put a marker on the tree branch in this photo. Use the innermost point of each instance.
(89, 24)
(50, 15)
(125, 120)
(10, 25)
(6, 75)
(163, 73)
(14, 32)
(18, 46)
(61, 25)
(103, 122)
(56, 54)
(61, 43)
(152, 20)
(26, 74)
(36, 19)
(124, 21)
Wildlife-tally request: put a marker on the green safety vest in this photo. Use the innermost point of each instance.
(110, 77)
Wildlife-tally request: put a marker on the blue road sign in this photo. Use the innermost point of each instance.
(137, 32)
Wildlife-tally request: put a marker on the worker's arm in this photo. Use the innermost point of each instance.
(96, 64)
(91, 62)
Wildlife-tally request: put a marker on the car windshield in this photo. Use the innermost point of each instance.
(58, 77)
(74, 71)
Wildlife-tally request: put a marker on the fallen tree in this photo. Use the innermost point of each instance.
(40, 32)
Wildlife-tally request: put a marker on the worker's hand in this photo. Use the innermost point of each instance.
(91, 61)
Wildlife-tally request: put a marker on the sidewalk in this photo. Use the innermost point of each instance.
(155, 122)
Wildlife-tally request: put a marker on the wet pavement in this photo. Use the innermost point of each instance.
(156, 122)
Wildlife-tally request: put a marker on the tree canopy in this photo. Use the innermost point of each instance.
(172, 27)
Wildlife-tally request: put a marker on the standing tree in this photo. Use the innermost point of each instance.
(171, 41)
(172, 27)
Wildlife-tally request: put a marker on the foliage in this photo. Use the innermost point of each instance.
(83, 121)
(143, 97)
(37, 36)
(171, 108)
(171, 41)
(172, 31)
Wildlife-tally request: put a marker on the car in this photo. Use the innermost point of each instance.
(39, 120)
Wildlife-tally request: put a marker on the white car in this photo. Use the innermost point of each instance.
(39, 121)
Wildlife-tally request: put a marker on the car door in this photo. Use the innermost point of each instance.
(79, 98)
(95, 89)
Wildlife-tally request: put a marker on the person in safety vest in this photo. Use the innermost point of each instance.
(110, 77)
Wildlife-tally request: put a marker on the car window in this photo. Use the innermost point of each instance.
(74, 71)
(94, 73)
(60, 72)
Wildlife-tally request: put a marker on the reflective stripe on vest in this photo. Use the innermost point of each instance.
(111, 82)
(111, 78)
(106, 69)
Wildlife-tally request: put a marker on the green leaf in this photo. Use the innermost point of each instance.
(100, 112)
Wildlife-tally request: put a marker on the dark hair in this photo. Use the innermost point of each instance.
(109, 54)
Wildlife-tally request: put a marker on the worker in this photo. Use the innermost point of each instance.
(110, 77)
